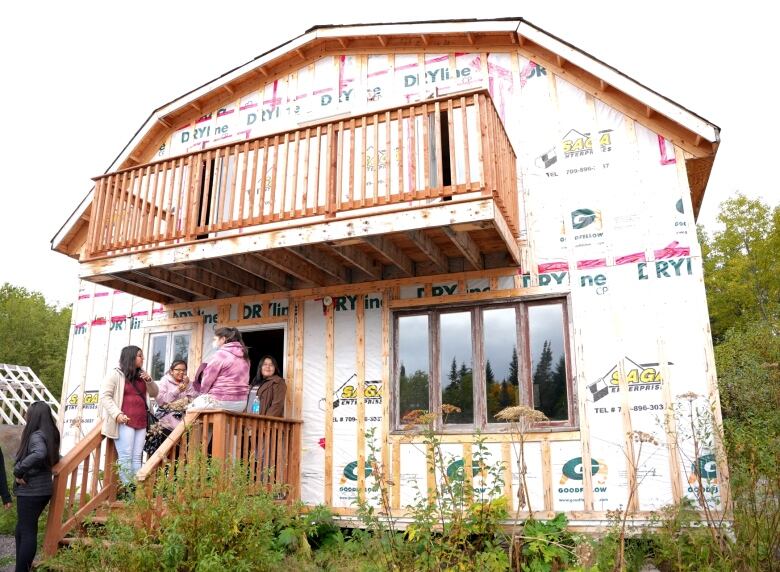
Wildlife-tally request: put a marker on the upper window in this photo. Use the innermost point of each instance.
(482, 359)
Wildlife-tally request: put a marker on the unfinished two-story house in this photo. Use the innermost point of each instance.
(405, 215)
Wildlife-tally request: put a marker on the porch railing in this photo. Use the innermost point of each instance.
(85, 479)
(438, 148)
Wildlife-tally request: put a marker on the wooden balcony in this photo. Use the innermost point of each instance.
(424, 188)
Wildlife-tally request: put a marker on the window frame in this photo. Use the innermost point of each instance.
(525, 373)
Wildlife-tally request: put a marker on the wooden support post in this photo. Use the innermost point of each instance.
(329, 373)
(360, 343)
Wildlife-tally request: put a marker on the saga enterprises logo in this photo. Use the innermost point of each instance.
(640, 377)
(581, 218)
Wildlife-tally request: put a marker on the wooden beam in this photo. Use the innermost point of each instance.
(322, 261)
(468, 248)
(382, 40)
(145, 280)
(164, 122)
(232, 273)
(358, 259)
(119, 283)
(649, 112)
(560, 61)
(343, 43)
(253, 265)
(300, 53)
(206, 278)
(293, 265)
(603, 86)
(470, 38)
(261, 71)
(386, 248)
(228, 89)
(195, 106)
(429, 249)
(173, 278)
(424, 39)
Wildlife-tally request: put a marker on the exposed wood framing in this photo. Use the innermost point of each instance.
(325, 263)
(329, 376)
(254, 265)
(429, 249)
(358, 259)
(208, 279)
(547, 485)
(177, 280)
(467, 247)
(230, 272)
(386, 248)
(295, 266)
(153, 283)
(670, 425)
(360, 369)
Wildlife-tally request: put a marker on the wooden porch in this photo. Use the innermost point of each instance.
(85, 480)
(421, 189)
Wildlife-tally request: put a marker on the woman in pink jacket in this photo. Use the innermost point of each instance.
(226, 377)
(175, 386)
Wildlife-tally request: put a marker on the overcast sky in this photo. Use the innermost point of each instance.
(79, 78)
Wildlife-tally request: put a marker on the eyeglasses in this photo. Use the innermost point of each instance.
(179, 370)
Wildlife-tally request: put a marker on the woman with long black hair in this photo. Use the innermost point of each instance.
(123, 406)
(39, 451)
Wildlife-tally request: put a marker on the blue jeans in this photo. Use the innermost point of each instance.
(129, 450)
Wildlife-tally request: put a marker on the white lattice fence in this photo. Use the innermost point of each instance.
(19, 387)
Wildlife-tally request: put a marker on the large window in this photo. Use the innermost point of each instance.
(482, 359)
(164, 349)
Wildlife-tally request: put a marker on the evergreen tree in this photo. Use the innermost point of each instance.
(513, 369)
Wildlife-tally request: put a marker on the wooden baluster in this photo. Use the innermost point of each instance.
(388, 158)
(240, 219)
(193, 193)
(426, 186)
(413, 153)
(231, 219)
(295, 462)
(283, 197)
(451, 138)
(94, 230)
(466, 152)
(160, 201)
(147, 210)
(305, 196)
(274, 169)
(263, 187)
(253, 190)
(315, 206)
(400, 143)
(352, 166)
(483, 183)
(122, 212)
(439, 155)
(94, 483)
(206, 190)
(104, 238)
(375, 189)
(170, 219)
(84, 481)
(294, 189)
(334, 170)
(221, 166)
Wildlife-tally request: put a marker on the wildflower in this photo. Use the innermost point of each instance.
(642, 437)
(521, 413)
(690, 396)
(446, 408)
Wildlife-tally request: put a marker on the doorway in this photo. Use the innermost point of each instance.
(265, 341)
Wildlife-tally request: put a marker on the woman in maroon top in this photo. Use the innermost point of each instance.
(123, 407)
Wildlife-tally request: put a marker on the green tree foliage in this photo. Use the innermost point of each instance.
(413, 391)
(34, 333)
(741, 266)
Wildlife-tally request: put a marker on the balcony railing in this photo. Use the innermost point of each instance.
(439, 148)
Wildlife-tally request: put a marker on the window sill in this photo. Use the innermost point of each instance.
(490, 435)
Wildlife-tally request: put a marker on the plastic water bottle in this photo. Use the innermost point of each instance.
(256, 405)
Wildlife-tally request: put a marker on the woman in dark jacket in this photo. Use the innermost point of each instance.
(39, 451)
(269, 388)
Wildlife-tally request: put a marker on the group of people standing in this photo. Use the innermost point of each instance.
(125, 392)
(123, 409)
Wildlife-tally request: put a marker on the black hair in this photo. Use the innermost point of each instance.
(39, 418)
(259, 375)
(232, 335)
(177, 362)
(127, 362)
